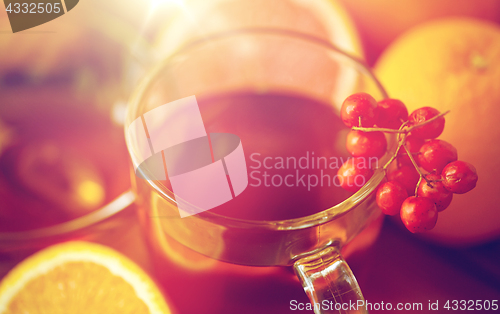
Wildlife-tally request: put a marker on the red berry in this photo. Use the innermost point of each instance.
(359, 105)
(390, 197)
(366, 144)
(436, 192)
(419, 214)
(459, 177)
(413, 143)
(391, 113)
(354, 173)
(430, 130)
(436, 154)
(407, 176)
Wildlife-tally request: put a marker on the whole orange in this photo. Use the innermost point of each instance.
(380, 22)
(454, 64)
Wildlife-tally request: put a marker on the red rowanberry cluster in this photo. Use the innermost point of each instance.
(427, 171)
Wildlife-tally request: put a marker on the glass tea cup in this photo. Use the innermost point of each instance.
(57, 185)
(249, 82)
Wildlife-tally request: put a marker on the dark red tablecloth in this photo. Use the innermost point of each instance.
(403, 268)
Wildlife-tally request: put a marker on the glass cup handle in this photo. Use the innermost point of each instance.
(329, 283)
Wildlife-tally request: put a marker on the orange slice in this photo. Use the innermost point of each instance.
(79, 277)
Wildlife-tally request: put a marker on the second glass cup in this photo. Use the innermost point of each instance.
(279, 92)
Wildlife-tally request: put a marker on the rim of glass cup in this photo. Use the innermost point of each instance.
(121, 202)
(287, 224)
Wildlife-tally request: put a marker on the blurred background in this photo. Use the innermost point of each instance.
(64, 86)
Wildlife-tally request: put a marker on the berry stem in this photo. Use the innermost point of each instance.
(422, 175)
(357, 128)
(403, 132)
(418, 184)
(413, 160)
(402, 129)
(401, 141)
(394, 156)
(427, 122)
